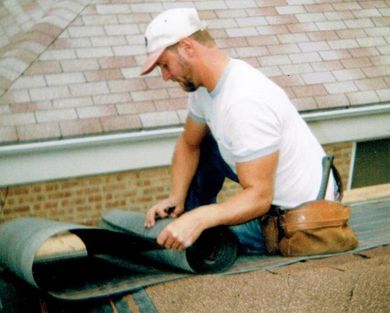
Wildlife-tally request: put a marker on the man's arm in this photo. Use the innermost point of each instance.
(184, 163)
(257, 179)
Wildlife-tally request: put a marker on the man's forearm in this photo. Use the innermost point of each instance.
(242, 207)
(257, 179)
(184, 164)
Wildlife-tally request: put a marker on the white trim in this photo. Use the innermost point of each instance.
(52, 160)
(351, 124)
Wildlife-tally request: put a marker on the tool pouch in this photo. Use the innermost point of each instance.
(317, 227)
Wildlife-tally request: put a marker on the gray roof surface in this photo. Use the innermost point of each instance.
(71, 68)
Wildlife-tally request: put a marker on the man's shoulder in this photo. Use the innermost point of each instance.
(244, 76)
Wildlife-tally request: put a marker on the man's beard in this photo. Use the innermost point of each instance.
(188, 86)
(185, 81)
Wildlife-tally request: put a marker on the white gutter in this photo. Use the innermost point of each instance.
(52, 160)
(351, 124)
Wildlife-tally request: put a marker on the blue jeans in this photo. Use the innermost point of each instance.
(208, 181)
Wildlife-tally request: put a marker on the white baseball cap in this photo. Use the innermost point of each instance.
(166, 29)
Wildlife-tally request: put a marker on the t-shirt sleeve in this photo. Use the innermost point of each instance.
(195, 109)
(255, 131)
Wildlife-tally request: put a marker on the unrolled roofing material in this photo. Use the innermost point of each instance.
(117, 256)
(110, 267)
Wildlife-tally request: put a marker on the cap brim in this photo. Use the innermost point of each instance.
(151, 61)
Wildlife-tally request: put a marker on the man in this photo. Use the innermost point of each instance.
(240, 125)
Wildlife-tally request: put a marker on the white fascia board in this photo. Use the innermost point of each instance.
(352, 124)
(68, 158)
(53, 160)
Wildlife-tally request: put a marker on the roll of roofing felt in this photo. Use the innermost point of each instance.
(214, 251)
(121, 256)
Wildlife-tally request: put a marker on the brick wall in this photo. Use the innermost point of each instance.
(342, 159)
(82, 200)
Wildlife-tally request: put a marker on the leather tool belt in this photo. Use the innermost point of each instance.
(316, 227)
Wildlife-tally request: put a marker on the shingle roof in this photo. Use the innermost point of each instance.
(71, 68)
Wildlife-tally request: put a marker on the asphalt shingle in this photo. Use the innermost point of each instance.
(71, 68)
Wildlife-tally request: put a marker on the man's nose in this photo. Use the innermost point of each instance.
(165, 74)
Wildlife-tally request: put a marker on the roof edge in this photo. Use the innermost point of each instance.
(69, 158)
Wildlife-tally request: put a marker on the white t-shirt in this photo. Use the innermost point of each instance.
(251, 117)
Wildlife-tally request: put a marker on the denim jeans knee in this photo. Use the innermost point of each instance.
(250, 237)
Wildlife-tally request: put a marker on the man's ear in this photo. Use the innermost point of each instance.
(186, 47)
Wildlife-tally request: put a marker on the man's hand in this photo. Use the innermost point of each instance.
(167, 207)
(182, 232)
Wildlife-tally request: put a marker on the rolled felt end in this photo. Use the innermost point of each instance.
(215, 251)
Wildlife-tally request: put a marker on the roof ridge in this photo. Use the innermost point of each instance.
(26, 46)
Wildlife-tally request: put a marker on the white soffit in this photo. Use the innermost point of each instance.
(52, 160)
